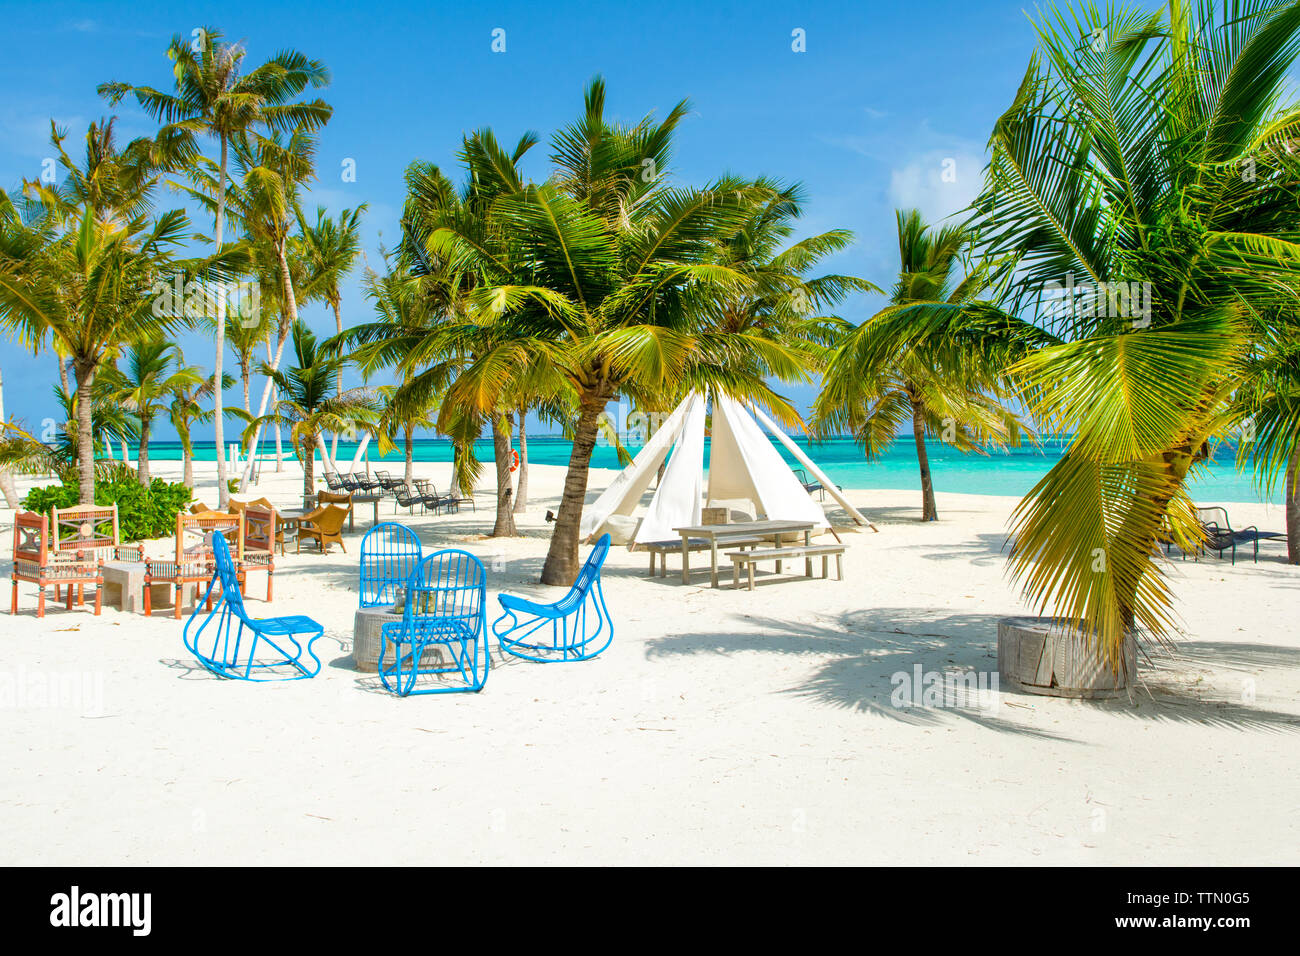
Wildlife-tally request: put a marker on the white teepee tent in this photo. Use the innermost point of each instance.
(743, 465)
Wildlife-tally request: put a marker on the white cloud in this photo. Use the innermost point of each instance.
(939, 183)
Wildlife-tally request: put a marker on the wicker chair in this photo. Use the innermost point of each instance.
(324, 525)
(36, 562)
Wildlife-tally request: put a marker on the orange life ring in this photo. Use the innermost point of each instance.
(514, 460)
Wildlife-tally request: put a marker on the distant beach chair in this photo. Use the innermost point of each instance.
(390, 553)
(332, 479)
(580, 623)
(444, 503)
(445, 606)
(238, 645)
(36, 562)
(404, 497)
(1220, 536)
(388, 484)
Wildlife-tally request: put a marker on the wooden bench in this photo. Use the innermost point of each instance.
(807, 552)
(665, 548)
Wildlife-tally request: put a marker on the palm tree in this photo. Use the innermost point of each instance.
(597, 272)
(6, 477)
(155, 373)
(310, 403)
(263, 199)
(212, 95)
(933, 359)
(186, 410)
(328, 250)
(1143, 182)
(90, 290)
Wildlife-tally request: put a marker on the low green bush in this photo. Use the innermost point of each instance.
(141, 512)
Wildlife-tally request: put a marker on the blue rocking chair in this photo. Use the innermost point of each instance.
(445, 607)
(580, 623)
(250, 651)
(390, 553)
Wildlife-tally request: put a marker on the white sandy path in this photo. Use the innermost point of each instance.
(720, 727)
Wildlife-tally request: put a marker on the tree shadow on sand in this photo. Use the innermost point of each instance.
(877, 649)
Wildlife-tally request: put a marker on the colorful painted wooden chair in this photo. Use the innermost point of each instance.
(192, 565)
(36, 562)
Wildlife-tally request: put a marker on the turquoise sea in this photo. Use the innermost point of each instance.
(1011, 472)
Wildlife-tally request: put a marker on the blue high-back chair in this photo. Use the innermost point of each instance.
(446, 608)
(242, 647)
(580, 623)
(390, 553)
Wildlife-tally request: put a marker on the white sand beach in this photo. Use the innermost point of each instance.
(721, 726)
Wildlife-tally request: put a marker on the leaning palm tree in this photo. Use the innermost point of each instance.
(263, 199)
(310, 403)
(932, 361)
(597, 272)
(329, 249)
(213, 96)
(1143, 180)
(155, 372)
(186, 410)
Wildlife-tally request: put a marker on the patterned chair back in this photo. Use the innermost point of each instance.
(89, 529)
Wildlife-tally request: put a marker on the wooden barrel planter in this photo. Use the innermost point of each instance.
(1048, 656)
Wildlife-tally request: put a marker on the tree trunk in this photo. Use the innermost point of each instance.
(308, 466)
(562, 558)
(63, 374)
(6, 479)
(1293, 508)
(142, 460)
(521, 488)
(291, 303)
(338, 323)
(187, 459)
(505, 524)
(410, 455)
(218, 412)
(85, 439)
(246, 375)
(929, 511)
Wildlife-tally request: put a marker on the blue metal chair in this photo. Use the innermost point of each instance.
(446, 607)
(580, 623)
(250, 651)
(390, 553)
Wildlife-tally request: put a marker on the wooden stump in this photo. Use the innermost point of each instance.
(1048, 656)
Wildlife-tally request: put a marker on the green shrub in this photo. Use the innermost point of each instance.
(141, 512)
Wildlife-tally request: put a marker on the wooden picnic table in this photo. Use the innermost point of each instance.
(747, 529)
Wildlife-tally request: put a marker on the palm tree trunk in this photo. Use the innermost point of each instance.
(562, 558)
(85, 374)
(410, 455)
(505, 524)
(218, 419)
(308, 466)
(63, 374)
(291, 305)
(338, 323)
(929, 511)
(187, 459)
(1293, 508)
(6, 479)
(142, 460)
(246, 375)
(521, 489)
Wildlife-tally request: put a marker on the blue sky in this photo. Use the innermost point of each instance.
(865, 117)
